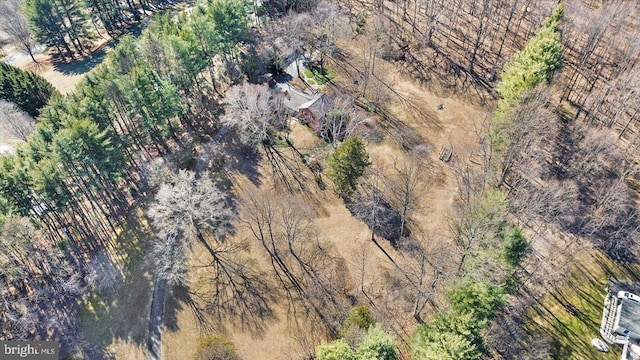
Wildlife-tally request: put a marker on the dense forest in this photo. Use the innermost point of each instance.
(178, 166)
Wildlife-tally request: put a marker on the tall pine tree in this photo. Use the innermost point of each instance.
(28, 90)
(347, 163)
(58, 23)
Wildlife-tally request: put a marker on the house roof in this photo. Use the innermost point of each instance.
(319, 105)
(293, 97)
(630, 316)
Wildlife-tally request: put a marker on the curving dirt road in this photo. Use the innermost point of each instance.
(154, 341)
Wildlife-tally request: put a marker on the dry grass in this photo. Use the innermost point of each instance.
(454, 126)
(64, 77)
(120, 322)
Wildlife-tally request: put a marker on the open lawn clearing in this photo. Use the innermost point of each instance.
(65, 77)
(181, 340)
(280, 339)
(455, 126)
(437, 119)
(582, 292)
(117, 318)
(182, 333)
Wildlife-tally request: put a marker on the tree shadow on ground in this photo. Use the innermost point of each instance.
(369, 205)
(119, 312)
(175, 300)
(442, 71)
(571, 313)
(604, 209)
(243, 159)
(397, 130)
(243, 304)
(84, 65)
(289, 169)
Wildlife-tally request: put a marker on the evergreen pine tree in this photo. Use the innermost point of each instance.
(347, 163)
(28, 90)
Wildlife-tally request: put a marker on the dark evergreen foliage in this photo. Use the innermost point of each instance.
(28, 90)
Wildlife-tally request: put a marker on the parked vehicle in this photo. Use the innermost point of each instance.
(600, 345)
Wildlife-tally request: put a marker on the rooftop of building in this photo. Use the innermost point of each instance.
(630, 317)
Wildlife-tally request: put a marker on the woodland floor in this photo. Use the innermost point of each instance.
(63, 77)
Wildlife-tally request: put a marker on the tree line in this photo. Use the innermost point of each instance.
(491, 245)
(558, 172)
(70, 26)
(458, 44)
(80, 170)
(28, 90)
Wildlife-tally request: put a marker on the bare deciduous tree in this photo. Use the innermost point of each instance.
(14, 122)
(36, 284)
(191, 208)
(568, 175)
(370, 205)
(342, 121)
(477, 221)
(426, 264)
(189, 213)
(255, 113)
(14, 24)
(296, 35)
(407, 185)
(310, 275)
(528, 135)
(508, 338)
(260, 117)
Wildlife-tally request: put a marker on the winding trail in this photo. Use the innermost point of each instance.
(154, 341)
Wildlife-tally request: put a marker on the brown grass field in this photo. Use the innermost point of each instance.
(455, 126)
(116, 322)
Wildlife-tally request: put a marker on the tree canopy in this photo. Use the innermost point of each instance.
(217, 348)
(376, 345)
(456, 333)
(28, 90)
(347, 163)
(534, 64)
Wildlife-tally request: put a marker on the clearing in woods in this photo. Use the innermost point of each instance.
(454, 125)
(64, 77)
